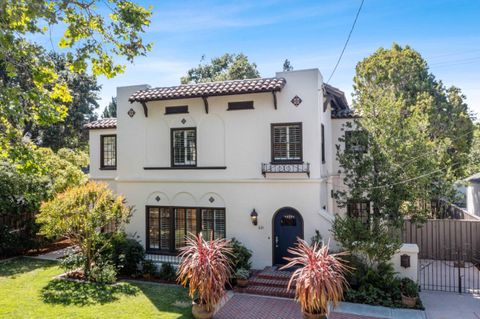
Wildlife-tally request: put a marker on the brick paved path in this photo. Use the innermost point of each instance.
(256, 307)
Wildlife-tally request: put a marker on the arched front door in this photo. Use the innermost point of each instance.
(287, 226)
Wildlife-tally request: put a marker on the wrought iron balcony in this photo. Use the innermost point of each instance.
(275, 168)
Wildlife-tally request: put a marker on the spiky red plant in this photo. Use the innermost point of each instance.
(205, 269)
(319, 279)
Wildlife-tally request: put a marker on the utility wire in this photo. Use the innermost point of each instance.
(346, 42)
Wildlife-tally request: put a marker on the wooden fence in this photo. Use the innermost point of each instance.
(445, 239)
(16, 221)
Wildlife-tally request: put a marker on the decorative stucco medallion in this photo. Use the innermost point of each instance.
(157, 198)
(183, 121)
(131, 112)
(296, 100)
(211, 199)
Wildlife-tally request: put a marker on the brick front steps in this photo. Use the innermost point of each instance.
(269, 282)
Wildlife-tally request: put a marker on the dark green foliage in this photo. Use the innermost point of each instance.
(72, 261)
(374, 286)
(240, 257)
(167, 272)
(127, 254)
(287, 66)
(149, 268)
(111, 109)
(409, 287)
(70, 133)
(225, 67)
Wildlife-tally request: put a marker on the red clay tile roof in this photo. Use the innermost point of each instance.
(102, 123)
(209, 89)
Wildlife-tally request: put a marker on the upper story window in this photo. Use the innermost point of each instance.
(176, 109)
(359, 210)
(108, 151)
(356, 141)
(243, 105)
(184, 147)
(287, 143)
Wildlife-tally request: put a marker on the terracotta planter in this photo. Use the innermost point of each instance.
(199, 312)
(307, 315)
(409, 301)
(242, 283)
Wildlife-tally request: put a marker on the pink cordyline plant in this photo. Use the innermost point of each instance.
(319, 278)
(205, 269)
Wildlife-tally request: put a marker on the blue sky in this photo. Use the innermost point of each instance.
(311, 35)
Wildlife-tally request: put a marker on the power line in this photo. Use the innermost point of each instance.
(346, 42)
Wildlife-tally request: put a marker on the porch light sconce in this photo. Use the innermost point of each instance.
(254, 217)
(405, 261)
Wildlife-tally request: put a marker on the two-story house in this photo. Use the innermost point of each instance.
(251, 159)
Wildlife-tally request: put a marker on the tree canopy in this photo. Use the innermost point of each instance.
(32, 90)
(111, 109)
(415, 142)
(226, 67)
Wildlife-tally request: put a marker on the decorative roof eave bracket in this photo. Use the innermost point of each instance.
(274, 99)
(145, 108)
(205, 102)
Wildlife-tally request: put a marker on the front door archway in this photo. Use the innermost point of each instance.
(287, 226)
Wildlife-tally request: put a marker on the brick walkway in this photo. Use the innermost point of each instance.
(256, 307)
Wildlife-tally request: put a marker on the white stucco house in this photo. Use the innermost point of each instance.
(251, 159)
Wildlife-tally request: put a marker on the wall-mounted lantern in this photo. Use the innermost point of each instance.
(254, 217)
(405, 261)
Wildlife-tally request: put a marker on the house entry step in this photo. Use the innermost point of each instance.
(269, 282)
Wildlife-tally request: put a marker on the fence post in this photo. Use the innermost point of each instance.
(410, 269)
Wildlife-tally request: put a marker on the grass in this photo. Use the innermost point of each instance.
(28, 290)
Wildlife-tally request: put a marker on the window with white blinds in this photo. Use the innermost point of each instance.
(213, 223)
(287, 142)
(108, 155)
(184, 147)
(168, 227)
(158, 228)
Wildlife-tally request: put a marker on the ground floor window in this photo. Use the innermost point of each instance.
(168, 227)
(359, 210)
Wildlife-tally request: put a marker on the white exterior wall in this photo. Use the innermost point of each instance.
(473, 198)
(239, 140)
(96, 173)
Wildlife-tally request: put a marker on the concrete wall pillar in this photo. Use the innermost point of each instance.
(408, 251)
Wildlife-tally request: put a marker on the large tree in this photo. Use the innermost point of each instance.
(32, 92)
(226, 67)
(415, 143)
(111, 109)
(69, 132)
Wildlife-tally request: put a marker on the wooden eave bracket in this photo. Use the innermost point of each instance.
(145, 108)
(205, 102)
(274, 93)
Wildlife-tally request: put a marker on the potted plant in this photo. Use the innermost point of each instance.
(242, 276)
(409, 289)
(319, 278)
(204, 269)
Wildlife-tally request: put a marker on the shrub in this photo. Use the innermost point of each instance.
(319, 278)
(127, 254)
(149, 269)
(104, 273)
(167, 272)
(205, 269)
(409, 287)
(72, 261)
(240, 255)
(79, 214)
(242, 273)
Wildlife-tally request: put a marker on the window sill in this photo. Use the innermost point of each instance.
(108, 168)
(185, 167)
(286, 162)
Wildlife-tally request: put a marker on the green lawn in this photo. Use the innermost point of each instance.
(28, 290)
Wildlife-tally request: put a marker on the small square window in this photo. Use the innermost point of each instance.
(287, 143)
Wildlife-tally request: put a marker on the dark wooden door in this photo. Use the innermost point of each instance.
(287, 226)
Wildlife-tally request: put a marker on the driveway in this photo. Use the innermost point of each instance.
(446, 305)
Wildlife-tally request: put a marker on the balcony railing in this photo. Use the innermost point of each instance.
(269, 168)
